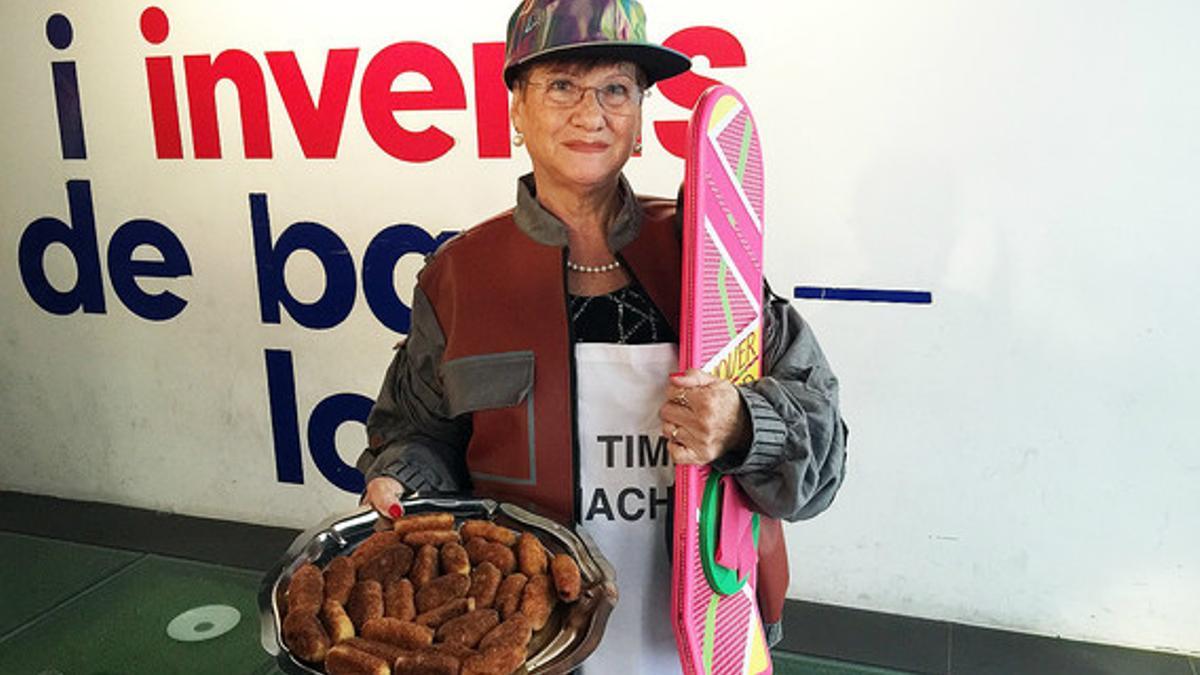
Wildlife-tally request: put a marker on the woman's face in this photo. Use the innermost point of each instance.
(582, 145)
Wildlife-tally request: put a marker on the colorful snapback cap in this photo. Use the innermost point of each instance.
(542, 29)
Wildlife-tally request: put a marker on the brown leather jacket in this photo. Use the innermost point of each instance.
(481, 395)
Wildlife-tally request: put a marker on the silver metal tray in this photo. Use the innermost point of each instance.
(570, 636)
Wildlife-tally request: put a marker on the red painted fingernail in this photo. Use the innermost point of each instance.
(679, 374)
(395, 511)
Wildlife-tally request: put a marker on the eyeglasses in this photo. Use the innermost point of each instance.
(619, 97)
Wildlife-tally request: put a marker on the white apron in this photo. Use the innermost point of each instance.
(625, 473)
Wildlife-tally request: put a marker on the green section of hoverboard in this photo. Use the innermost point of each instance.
(721, 579)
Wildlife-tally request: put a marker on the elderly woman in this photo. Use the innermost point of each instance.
(538, 366)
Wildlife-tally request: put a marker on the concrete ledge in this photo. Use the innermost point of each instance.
(937, 647)
(222, 542)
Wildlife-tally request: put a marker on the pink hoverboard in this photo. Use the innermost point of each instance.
(714, 610)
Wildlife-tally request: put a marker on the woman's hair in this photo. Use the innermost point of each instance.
(577, 65)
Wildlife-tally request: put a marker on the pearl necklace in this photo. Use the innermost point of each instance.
(576, 267)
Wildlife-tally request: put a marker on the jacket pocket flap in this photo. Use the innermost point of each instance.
(487, 381)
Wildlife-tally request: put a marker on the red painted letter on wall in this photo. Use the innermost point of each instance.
(722, 50)
(379, 102)
(491, 100)
(203, 73)
(318, 124)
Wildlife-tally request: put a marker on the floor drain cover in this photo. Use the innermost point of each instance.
(203, 623)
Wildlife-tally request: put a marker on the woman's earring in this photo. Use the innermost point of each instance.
(519, 139)
(637, 147)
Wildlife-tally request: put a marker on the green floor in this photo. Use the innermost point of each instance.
(73, 609)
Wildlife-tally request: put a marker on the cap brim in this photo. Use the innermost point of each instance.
(656, 61)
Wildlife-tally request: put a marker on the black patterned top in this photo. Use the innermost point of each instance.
(624, 317)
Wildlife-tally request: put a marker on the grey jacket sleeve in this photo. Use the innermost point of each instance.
(411, 436)
(796, 461)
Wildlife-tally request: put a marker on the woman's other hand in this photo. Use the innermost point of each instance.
(703, 418)
(383, 494)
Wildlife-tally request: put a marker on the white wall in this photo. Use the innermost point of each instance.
(1023, 450)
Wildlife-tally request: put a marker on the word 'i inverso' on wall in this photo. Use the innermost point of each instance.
(318, 119)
